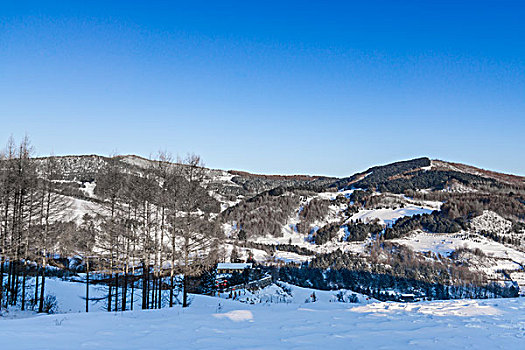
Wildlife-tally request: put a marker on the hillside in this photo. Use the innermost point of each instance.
(292, 218)
(427, 221)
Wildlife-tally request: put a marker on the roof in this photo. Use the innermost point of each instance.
(234, 266)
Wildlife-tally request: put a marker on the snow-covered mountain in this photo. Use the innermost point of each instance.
(474, 218)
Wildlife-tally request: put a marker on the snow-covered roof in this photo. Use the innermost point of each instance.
(234, 266)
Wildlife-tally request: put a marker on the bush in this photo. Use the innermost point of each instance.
(50, 304)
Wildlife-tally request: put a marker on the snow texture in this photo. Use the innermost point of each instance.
(388, 216)
(214, 323)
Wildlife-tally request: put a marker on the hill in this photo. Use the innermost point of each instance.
(438, 229)
(291, 218)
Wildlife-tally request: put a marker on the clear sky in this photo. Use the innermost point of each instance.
(285, 87)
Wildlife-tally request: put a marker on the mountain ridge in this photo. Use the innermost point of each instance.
(434, 163)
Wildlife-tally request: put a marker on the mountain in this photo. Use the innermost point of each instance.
(471, 218)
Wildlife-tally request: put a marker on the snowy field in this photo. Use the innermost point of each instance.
(213, 323)
(388, 216)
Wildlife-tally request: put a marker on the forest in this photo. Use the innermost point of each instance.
(394, 267)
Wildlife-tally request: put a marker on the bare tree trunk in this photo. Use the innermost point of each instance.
(152, 290)
(44, 259)
(125, 290)
(16, 282)
(110, 278)
(172, 268)
(186, 264)
(9, 277)
(185, 291)
(132, 301)
(19, 256)
(13, 264)
(4, 250)
(159, 289)
(171, 288)
(27, 251)
(87, 284)
(42, 287)
(1, 280)
(24, 287)
(148, 286)
(155, 262)
(126, 269)
(37, 276)
(144, 286)
(116, 291)
(132, 288)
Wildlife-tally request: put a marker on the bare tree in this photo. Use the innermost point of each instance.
(84, 245)
(195, 228)
(110, 186)
(50, 205)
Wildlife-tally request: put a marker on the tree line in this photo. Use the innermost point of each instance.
(395, 268)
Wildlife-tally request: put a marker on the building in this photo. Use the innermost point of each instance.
(232, 267)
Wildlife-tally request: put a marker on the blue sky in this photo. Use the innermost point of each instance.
(284, 87)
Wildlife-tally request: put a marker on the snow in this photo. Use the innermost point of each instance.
(137, 161)
(214, 323)
(387, 216)
(491, 222)
(459, 187)
(234, 266)
(236, 315)
(290, 257)
(463, 308)
(225, 204)
(446, 243)
(89, 189)
(70, 296)
(229, 229)
(329, 195)
(77, 208)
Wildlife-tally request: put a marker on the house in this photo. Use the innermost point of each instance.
(408, 297)
(232, 267)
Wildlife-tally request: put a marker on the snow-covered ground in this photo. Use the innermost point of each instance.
(446, 243)
(387, 216)
(77, 208)
(286, 293)
(215, 323)
(211, 323)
